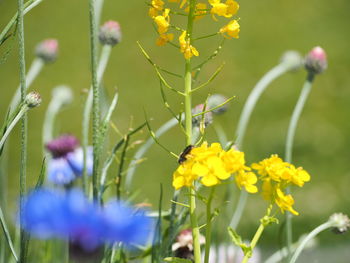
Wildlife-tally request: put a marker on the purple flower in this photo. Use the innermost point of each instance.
(67, 163)
(70, 216)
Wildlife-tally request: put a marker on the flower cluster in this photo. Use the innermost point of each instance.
(161, 16)
(68, 162)
(211, 164)
(276, 176)
(70, 216)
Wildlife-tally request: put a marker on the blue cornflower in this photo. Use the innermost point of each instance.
(67, 160)
(71, 216)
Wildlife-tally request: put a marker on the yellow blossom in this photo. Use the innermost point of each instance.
(277, 175)
(162, 21)
(211, 164)
(164, 38)
(247, 180)
(186, 48)
(157, 4)
(231, 30)
(285, 202)
(227, 9)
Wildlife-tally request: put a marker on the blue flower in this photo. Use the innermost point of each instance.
(71, 216)
(67, 163)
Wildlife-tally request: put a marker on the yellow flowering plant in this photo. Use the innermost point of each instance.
(211, 164)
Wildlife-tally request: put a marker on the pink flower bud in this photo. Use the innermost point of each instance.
(316, 60)
(47, 50)
(110, 33)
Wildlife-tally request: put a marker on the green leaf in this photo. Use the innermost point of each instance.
(177, 260)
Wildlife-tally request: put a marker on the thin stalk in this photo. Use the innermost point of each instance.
(95, 99)
(142, 150)
(254, 241)
(7, 236)
(34, 70)
(20, 114)
(248, 108)
(188, 128)
(208, 226)
(102, 64)
(289, 147)
(27, 7)
(310, 236)
(24, 129)
(99, 7)
(50, 116)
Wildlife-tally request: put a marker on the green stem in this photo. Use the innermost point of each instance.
(33, 72)
(144, 148)
(102, 64)
(247, 111)
(208, 226)
(27, 7)
(7, 235)
(289, 147)
(19, 115)
(188, 125)
(254, 241)
(310, 236)
(95, 99)
(24, 129)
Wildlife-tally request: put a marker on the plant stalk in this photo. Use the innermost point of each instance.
(310, 236)
(247, 111)
(289, 148)
(208, 226)
(24, 129)
(102, 64)
(95, 98)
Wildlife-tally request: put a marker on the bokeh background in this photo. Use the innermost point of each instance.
(268, 29)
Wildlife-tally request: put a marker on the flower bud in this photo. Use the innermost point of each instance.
(208, 116)
(33, 99)
(63, 94)
(47, 50)
(316, 61)
(62, 145)
(110, 33)
(214, 101)
(341, 223)
(292, 59)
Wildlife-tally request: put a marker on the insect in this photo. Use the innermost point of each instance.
(185, 152)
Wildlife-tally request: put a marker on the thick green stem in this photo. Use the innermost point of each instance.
(102, 64)
(247, 111)
(95, 99)
(289, 148)
(188, 125)
(208, 226)
(24, 129)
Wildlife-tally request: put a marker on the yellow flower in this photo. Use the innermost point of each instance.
(231, 30)
(277, 175)
(158, 4)
(285, 202)
(211, 164)
(186, 48)
(153, 12)
(164, 38)
(227, 9)
(183, 175)
(162, 21)
(247, 180)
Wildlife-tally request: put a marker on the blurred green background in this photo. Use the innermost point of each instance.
(268, 28)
